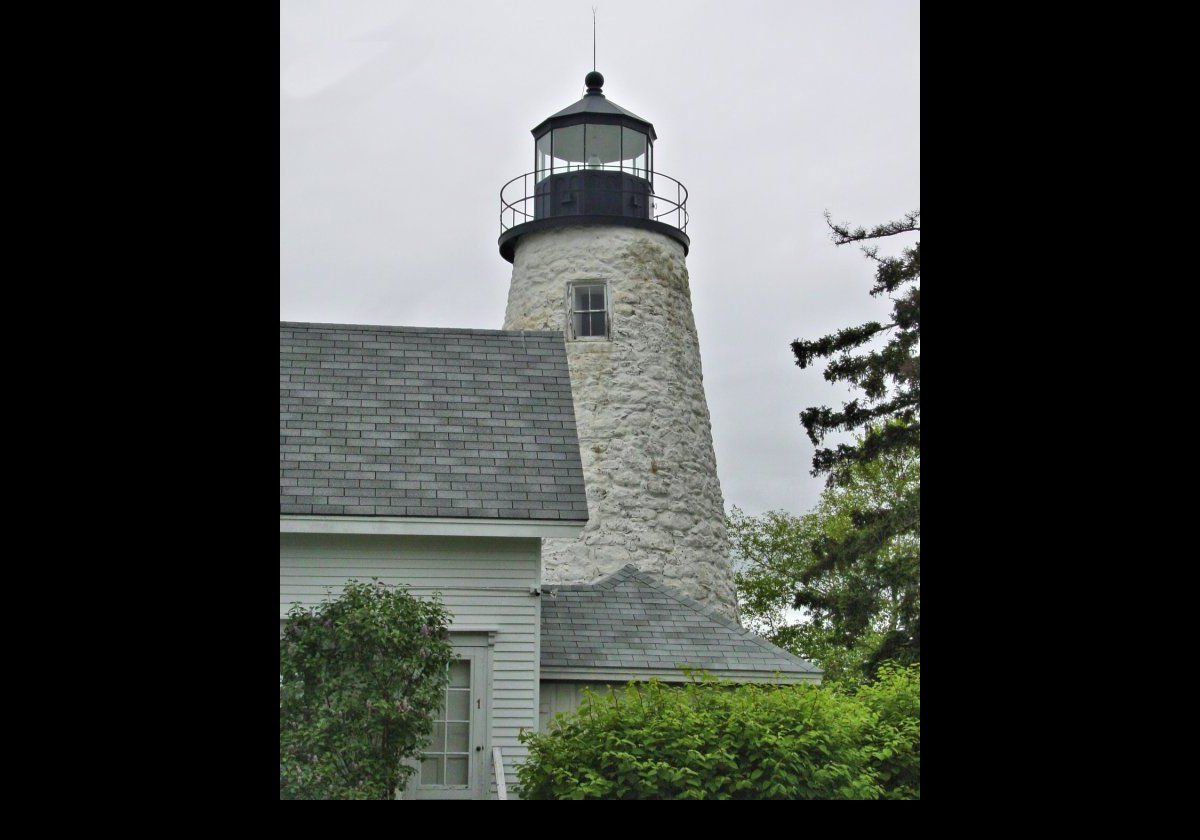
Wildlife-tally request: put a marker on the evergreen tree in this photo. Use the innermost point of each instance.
(890, 377)
(888, 414)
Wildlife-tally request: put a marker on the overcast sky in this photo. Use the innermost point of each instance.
(399, 122)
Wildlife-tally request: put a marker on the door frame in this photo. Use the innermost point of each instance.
(477, 649)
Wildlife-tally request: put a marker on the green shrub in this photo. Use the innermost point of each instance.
(708, 741)
(359, 678)
(895, 699)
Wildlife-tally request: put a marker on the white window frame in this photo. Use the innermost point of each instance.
(570, 330)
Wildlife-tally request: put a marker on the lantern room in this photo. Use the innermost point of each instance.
(593, 164)
(594, 134)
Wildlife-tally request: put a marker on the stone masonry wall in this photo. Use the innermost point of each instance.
(653, 496)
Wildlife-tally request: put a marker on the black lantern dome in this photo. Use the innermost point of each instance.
(593, 164)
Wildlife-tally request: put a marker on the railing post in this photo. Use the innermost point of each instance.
(498, 769)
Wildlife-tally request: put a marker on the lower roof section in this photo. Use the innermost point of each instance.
(630, 625)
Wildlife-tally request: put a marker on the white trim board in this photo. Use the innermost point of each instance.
(428, 526)
(620, 675)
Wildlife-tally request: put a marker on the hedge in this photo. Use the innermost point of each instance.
(712, 740)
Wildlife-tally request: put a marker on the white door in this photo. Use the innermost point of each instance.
(454, 765)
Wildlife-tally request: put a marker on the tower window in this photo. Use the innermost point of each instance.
(588, 304)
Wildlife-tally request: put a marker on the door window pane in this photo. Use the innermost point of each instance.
(458, 737)
(456, 770)
(458, 704)
(432, 772)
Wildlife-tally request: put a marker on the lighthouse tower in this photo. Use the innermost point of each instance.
(597, 238)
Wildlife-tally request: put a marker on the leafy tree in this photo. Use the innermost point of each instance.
(359, 679)
(888, 414)
(849, 610)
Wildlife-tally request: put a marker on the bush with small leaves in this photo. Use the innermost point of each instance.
(895, 699)
(360, 677)
(711, 740)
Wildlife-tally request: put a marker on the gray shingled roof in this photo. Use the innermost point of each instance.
(631, 622)
(406, 421)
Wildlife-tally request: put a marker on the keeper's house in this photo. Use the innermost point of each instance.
(439, 459)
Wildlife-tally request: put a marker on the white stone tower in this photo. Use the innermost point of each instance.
(597, 241)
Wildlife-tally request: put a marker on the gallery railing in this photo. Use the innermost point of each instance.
(593, 190)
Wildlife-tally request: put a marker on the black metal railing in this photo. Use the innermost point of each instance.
(527, 197)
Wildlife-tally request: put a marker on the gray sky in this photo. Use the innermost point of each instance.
(399, 122)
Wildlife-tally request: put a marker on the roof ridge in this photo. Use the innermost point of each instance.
(403, 328)
(771, 646)
(719, 617)
(621, 575)
(686, 600)
(606, 582)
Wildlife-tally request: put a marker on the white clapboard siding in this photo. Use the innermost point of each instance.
(484, 582)
(565, 697)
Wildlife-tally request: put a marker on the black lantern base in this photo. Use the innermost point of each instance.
(592, 192)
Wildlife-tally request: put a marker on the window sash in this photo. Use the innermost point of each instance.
(588, 304)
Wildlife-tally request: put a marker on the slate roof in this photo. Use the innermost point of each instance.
(408, 421)
(630, 621)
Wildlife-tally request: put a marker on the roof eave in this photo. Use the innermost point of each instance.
(584, 111)
(628, 674)
(431, 526)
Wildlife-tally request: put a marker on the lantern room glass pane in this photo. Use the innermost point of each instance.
(602, 144)
(567, 152)
(634, 147)
(542, 156)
